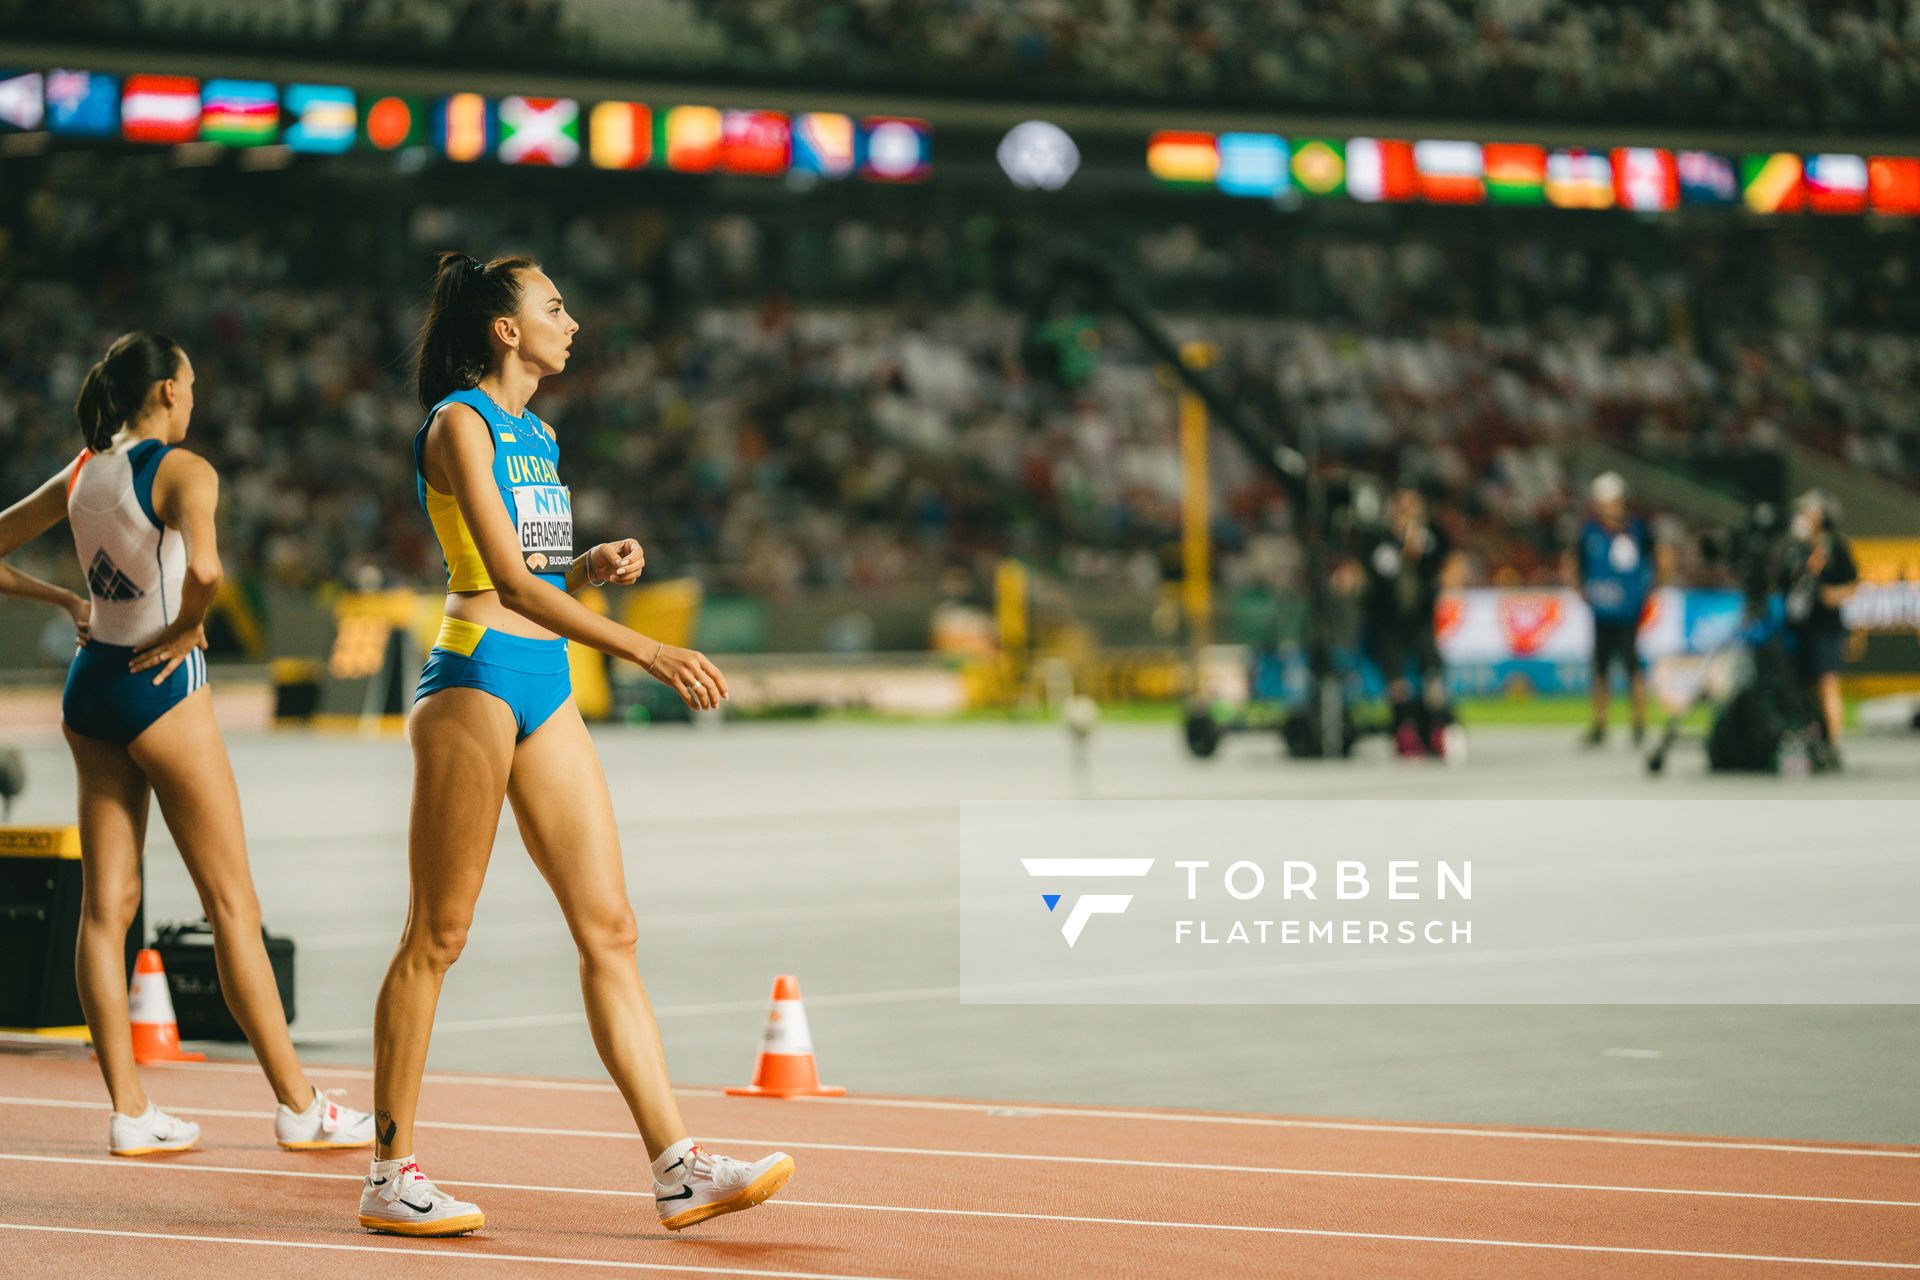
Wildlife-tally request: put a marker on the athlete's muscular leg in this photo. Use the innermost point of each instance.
(184, 758)
(559, 797)
(113, 831)
(462, 751)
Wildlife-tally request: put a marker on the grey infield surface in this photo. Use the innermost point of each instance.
(828, 851)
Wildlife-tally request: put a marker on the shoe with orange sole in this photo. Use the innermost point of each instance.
(709, 1186)
(151, 1133)
(324, 1126)
(400, 1200)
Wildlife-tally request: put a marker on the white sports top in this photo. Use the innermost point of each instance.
(135, 565)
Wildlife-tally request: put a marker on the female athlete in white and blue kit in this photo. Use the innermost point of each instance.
(494, 720)
(139, 720)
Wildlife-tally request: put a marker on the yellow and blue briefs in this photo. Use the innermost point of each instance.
(531, 676)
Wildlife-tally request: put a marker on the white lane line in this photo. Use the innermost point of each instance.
(111, 1163)
(451, 1254)
(772, 1144)
(436, 1078)
(1313, 1232)
(1395, 1236)
(1017, 1110)
(1630, 1053)
(174, 1165)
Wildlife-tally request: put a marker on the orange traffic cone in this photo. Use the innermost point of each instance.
(156, 1036)
(786, 1068)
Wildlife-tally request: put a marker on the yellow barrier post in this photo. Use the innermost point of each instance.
(1010, 608)
(1196, 534)
(587, 666)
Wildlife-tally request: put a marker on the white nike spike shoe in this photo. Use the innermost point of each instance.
(324, 1126)
(708, 1186)
(150, 1133)
(399, 1199)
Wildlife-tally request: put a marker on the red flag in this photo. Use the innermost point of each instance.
(1836, 183)
(1893, 184)
(1451, 172)
(755, 142)
(1646, 178)
(160, 109)
(1381, 169)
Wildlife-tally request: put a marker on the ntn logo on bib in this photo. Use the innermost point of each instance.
(544, 517)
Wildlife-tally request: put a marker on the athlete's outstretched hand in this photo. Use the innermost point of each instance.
(81, 611)
(167, 651)
(691, 675)
(618, 564)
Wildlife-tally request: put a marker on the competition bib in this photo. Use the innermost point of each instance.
(1624, 554)
(544, 513)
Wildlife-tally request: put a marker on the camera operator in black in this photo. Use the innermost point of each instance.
(1820, 574)
(1404, 562)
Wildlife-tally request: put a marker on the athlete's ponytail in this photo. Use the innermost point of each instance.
(116, 388)
(452, 352)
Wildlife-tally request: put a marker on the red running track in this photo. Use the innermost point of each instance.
(908, 1187)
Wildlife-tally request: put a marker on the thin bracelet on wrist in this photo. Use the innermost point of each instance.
(591, 580)
(660, 647)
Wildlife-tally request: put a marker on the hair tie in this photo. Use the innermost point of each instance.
(474, 264)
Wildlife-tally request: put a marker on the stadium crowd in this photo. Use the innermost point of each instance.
(1840, 63)
(848, 404)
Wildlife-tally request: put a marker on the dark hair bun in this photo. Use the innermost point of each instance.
(452, 351)
(116, 387)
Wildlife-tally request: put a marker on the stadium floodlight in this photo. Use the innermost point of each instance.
(1038, 156)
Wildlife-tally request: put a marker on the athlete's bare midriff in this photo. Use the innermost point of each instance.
(484, 608)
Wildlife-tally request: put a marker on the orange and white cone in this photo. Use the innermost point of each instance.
(156, 1036)
(785, 1068)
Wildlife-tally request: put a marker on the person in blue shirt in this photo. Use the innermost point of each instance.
(1615, 566)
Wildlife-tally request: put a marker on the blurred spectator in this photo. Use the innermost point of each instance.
(1821, 574)
(784, 405)
(1835, 64)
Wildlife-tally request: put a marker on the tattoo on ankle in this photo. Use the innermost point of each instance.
(383, 1121)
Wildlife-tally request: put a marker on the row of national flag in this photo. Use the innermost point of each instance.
(465, 127)
(1644, 179)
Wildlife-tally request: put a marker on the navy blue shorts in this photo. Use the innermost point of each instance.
(532, 677)
(1820, 653)
(1616, 643)
(105, 700)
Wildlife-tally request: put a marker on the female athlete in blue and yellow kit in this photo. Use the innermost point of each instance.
(495, 719)
(139, 720)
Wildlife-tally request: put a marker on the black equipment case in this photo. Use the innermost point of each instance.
(193, 980)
